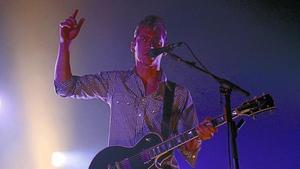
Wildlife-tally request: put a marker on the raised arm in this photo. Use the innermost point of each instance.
(68, 31)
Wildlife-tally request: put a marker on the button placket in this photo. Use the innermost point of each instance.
(141, 107)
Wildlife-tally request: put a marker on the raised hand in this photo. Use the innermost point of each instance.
(70, 28)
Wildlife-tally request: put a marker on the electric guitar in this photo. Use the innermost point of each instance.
(151, 150)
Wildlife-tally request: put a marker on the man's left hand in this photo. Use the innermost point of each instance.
(206, 130)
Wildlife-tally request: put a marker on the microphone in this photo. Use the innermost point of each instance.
(155, 52)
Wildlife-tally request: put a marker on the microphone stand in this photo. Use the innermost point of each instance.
(226, 87)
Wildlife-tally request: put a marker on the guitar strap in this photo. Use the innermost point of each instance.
(166, 128)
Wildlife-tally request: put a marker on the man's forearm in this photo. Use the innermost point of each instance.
(62, 70)
(190, 151)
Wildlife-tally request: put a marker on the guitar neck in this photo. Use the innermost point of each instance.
(181, 139)
(248, 108)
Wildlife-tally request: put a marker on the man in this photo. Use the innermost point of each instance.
(136, 96)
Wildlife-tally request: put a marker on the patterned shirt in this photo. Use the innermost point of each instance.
(133, 114)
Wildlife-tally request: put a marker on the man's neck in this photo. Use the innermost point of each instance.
(148, 74)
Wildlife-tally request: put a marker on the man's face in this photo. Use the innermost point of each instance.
(148, 38)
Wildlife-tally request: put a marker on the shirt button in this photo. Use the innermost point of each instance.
(117, 102)
(140, 114)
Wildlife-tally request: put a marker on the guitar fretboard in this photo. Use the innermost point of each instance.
(172, 143)
(249, 108)
(181, 139)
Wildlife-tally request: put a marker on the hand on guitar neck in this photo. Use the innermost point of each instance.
(205, 131)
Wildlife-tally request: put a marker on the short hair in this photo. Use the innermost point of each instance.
(153, 22)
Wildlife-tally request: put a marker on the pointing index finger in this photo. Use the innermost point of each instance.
(75, 13)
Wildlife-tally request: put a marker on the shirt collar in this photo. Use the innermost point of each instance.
(132, 73)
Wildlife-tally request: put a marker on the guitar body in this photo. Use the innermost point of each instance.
(111, 157)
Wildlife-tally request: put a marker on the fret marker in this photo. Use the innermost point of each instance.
(158, 150)
(178, 140)
(153, 152)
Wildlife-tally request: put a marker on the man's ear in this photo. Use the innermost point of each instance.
(132, 45)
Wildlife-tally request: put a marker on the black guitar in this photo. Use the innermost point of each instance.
(151, 150)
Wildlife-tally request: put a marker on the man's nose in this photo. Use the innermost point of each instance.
(154, 45)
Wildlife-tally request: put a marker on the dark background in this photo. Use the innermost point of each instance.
(256, 44)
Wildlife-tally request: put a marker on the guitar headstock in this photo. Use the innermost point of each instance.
(256, 105)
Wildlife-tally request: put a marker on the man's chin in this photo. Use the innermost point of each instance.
(148, 64)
